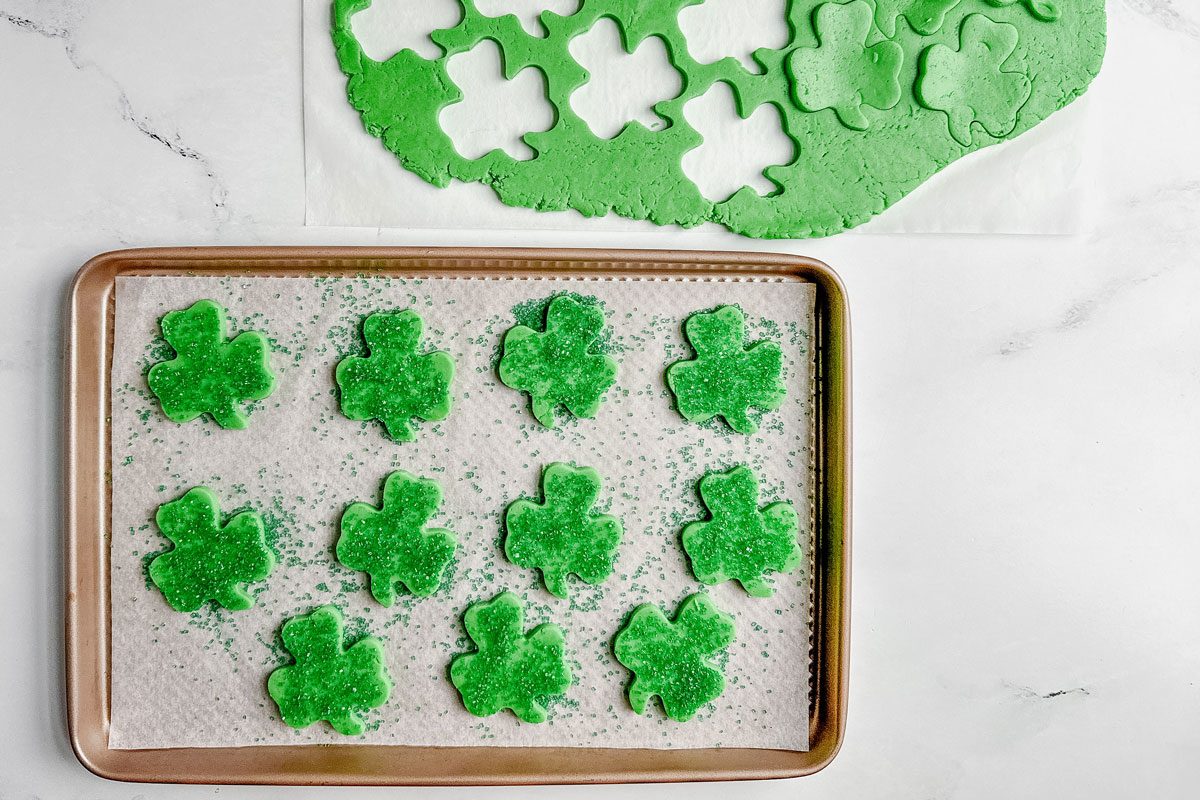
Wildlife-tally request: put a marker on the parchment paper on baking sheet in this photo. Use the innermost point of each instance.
(200, 679)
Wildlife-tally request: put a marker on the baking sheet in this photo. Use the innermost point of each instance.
(199, 680)
(1035, 184)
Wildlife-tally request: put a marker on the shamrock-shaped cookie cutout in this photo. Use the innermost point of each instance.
(391, 543)
(210, 561)
(210, 374)
(671, 658)
(726, 379)
(970, 84)
(329, 681)
(509, 668)
(561, 535)
(843, 73)
(559, 366)
(924, 16)
(395, 383)
(740, 542)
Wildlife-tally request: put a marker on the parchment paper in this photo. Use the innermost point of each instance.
(200, 679)
(1035, 184)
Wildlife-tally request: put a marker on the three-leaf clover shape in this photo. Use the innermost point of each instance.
(970, 84)
(671, 658)
(843, 73)
(740, 542)
(559, 366)
(509, 668)
(395, 383)
(209, 373)
(209, 561)
(391, 543)
(329, 681)
(726, 379)
(561, 535)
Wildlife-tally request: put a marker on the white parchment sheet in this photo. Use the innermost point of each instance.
(200, 679)
(1035, 184)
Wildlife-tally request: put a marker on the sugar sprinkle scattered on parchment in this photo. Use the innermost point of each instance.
(200, 679)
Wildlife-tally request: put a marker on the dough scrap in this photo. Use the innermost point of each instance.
(840, 177)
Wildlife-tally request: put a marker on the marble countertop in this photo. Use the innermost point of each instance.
(1026, 611)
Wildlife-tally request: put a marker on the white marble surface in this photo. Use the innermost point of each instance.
(1026, 603)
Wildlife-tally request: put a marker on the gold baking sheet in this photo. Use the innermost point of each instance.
(88, 524)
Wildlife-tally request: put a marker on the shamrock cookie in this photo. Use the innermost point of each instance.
(843, 72)
(395, 383)
(329, 681)
(561, 536)
(559, 366)
(971, 84)
(509, 668)
(391, 543)
(740, 542)
(209, 373)
(210, 561)
(672, 658)
(726, 378)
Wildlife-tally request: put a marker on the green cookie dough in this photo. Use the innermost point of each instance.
(739, 542)
(391, 543)
(926, 17)
(671, 658)
(329, 681)
(853, 160)
(561, 536)
(509, 668)
(209, 561)
(560, 366)
(970, 84)
(844, 73)
(1040, 9)
(394, 383)
(210, 375)
(726, 378)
